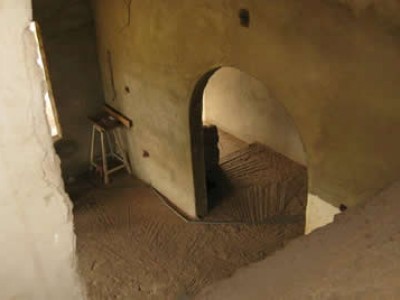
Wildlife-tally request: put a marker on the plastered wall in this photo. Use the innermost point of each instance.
(70, 44)
(242, 106)
(36, 236)
(333, 65)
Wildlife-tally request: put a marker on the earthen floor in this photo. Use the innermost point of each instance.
(130, 245)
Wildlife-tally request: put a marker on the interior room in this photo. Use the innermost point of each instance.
(200, 149)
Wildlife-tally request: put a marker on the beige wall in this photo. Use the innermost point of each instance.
(36, 236)
(334, 67)
(243, 106)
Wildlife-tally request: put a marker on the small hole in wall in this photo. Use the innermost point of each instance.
(244, 16)
(127, 89)
(342, 207)
(146, 154)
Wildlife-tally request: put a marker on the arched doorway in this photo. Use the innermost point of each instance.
(240, 106)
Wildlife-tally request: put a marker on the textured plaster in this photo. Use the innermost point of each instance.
(333, 67)
(36, 237)
(386, 10)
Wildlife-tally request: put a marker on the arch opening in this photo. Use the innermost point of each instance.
(247, 155)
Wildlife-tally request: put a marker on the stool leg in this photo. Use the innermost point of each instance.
(104, 158)
(121, 149)
(110, 144)
(92, 147)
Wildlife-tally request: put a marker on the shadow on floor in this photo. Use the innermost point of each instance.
(256, 185)
(218, 187)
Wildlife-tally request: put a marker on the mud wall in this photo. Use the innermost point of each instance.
(70, 45)
(37, 239)
(333, 65)
(243, 106)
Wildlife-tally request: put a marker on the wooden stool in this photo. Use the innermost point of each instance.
(113, 156)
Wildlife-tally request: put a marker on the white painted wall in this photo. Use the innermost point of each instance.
(243, 106)
(37, 241)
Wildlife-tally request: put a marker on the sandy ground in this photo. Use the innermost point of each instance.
(356, 257)
(131, 246)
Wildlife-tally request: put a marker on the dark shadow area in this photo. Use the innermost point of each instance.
(69, 41)
(91, 179)
(218, 187)
(196, 141)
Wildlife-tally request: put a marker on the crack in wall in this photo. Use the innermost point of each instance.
(128, 5)
(111, 70)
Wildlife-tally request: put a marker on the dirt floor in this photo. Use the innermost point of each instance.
(229, 144)
(254, 184)
(130, 245)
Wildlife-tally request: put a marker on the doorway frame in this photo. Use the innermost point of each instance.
(197, 143)
(197, 139)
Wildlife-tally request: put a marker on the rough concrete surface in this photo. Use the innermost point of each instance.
(36, 236)
(357, 257)
(336, 72)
